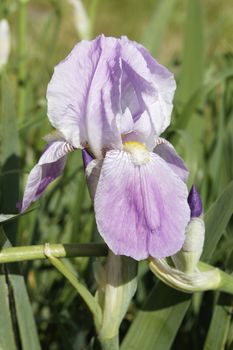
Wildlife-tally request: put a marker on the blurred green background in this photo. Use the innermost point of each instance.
(193, 38)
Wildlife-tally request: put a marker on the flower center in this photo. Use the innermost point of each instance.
(138, 151)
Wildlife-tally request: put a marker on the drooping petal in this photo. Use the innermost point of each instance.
(141, 210)
(49, 167)
(166, 151)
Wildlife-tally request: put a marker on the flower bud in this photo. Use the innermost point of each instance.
(188, 257)
(195, 203)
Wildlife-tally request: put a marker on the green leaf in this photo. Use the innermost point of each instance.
(18, 306)
(157, 324)
(193, 52)
(157, 26)
(92, 12)
(152, 327)
(25, 318)
(216, 220)
(9, 157)
(216, 159)
(9, 217)
(201, 91)
(219, 326)
(7, 340)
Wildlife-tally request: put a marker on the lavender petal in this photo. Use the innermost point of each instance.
(99, 84)
(166, 151)
(49, 167)
(141, 210)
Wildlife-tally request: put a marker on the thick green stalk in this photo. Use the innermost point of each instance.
(22, 53)
(117, 285)
(110, 344)
(226, 280)
(226, 284)
(33, 252)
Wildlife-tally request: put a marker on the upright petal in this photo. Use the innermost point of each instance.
(83, 95)
(99, 85)
(166, 151)
(165, 85)
(49, 167)
(141, 210)
(161, 85)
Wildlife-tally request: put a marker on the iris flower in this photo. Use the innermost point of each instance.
(110, 98)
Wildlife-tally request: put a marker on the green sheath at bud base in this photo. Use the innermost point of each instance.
(117, 285)
(187, 258)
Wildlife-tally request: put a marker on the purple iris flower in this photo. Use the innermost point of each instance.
(113, 99)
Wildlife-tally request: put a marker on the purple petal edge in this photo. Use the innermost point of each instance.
(195, 203)
(87, 157)
(51, 164)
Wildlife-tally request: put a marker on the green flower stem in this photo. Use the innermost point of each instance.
(34, 252)
(22, 53)
(92, 304)
(110, 344)
(226, 280)
(205, 278)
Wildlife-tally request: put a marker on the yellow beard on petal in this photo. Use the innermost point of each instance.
(138, 151)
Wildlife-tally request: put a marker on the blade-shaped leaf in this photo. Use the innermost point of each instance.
(157, 324)
(157, 26)
(202, 91)
(9, 157)
(25, 318)
(20, 310)
(9, 217)
(219, 326)
(7, 340)
(216, 220)
(193, 52)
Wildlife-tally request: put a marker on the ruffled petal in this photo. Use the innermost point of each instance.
(155, 88)
(49, 167)
(166, 151)
(141, 210)
(83, 95)
(99, 85)
(164, 82)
